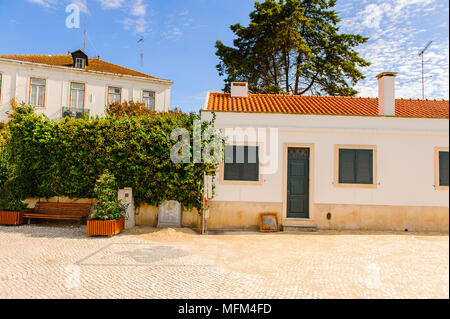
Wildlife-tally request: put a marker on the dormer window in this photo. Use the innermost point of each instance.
(80, 63)
(80, 60)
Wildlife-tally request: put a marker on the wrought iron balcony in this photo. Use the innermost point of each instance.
(73, 112)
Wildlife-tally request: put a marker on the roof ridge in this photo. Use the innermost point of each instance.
(329, 96)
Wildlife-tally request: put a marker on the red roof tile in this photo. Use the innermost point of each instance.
(66, 61)
(324, 105)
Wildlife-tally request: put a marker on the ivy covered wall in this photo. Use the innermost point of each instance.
(65, 158)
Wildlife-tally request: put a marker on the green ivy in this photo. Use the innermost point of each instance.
(64, 158)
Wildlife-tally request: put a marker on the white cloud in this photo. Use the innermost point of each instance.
(396, 35)
(111, 4)
(138, 8)
(139, 25)
(173, 33)
(44, 3)
(81, 4)
(176, 24)
(135, 13)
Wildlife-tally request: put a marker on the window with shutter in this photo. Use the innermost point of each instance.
(443, 168)
(241, 163)
(356, 166)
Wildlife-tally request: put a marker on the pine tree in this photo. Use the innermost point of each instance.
(293, 47)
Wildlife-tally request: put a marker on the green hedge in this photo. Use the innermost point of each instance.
(65, 158)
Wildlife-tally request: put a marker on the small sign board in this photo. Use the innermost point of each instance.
(208, 184)
(269, 222)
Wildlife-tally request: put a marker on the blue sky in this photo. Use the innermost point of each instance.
(179, 38)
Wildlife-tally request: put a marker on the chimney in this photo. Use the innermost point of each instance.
(239, 89)
(386, 93)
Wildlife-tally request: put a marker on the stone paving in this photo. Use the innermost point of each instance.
(60, 261)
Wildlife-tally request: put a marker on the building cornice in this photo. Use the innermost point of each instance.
(92, 73)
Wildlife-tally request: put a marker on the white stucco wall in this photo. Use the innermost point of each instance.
(16, 77)
(405, 157)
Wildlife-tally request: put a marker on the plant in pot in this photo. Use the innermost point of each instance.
(108, 218)
(11, 207)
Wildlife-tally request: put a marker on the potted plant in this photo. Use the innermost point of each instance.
(108, 218)
(11, 208)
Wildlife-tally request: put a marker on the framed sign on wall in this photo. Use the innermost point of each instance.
(269, 222)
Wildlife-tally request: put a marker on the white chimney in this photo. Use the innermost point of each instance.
(239, 89)
(386, 93)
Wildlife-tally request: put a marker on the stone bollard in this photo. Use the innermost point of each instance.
(126, 196)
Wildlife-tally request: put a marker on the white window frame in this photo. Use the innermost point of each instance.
(70, 96)
(35, 102)
(82, 62)
(154, 99)
(113, 87)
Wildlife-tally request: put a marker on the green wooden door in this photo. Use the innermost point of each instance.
(298, 183)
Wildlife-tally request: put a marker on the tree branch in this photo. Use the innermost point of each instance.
(310, 84)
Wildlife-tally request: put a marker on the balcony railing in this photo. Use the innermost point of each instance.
(73, 112)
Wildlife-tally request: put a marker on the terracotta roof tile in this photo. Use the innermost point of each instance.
(324, 105)
(66, 61)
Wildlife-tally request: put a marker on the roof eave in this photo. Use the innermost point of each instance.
(337, 115)
(58, 67)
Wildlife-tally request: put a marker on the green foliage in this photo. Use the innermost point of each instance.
(11, 193)
(294, 47)
(3, 163)
(128, 108)
(64, 158)
(108, 206)
(3, 174)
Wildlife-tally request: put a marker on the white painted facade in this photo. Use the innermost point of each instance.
(405, 157)
(15, 84)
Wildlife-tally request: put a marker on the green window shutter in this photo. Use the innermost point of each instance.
(250, 169)
(364, 167)
(231, 170)
(346, 166)
(355, 166)
(241, 163)
(443, 168)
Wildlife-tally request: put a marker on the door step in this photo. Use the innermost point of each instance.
(300, 229)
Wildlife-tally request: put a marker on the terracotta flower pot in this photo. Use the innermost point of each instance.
(105, 227)
(11, 218)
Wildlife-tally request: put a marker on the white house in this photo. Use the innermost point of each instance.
(332, 162)
(74, 84)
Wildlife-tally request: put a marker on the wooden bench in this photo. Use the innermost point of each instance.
(59, 211)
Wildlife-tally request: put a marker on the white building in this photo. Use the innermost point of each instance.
(74, 83)
(332, 162)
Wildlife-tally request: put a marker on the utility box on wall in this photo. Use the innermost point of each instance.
(126, 196)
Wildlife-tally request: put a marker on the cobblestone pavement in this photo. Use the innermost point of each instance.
(60, 261)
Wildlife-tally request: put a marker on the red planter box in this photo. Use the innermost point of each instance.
(11, 218)
(105, 227)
